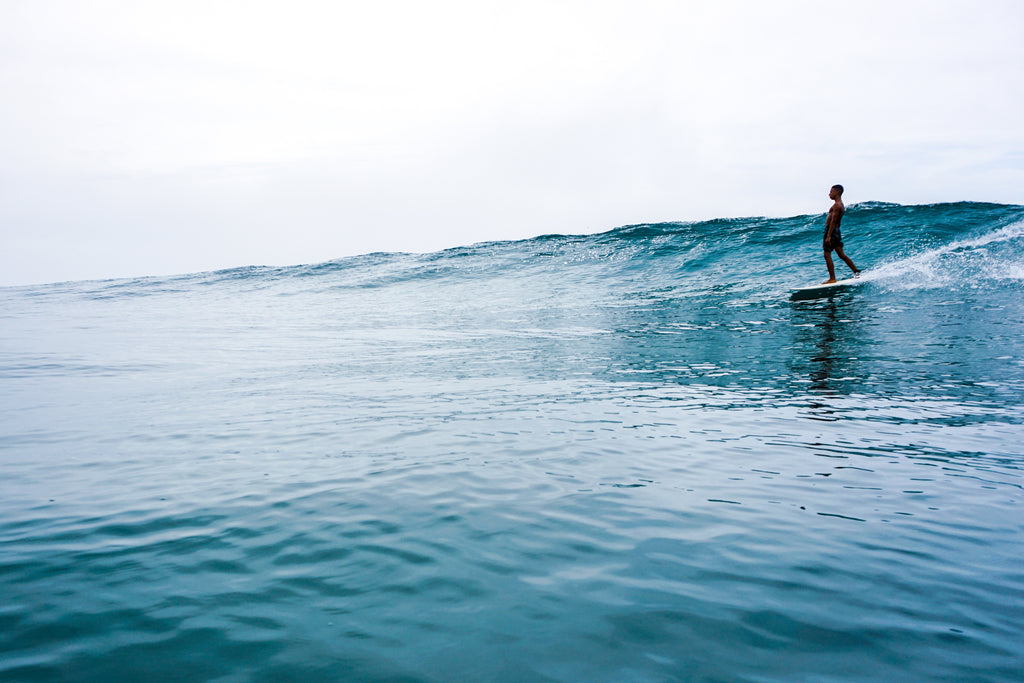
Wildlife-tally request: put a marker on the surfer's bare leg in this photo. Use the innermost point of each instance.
(839, 250)
(831, 269)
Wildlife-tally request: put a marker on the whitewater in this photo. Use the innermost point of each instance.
(626, 456)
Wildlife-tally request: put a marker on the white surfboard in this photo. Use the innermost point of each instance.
(820, 290)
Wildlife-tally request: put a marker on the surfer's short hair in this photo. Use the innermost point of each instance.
(838, 188)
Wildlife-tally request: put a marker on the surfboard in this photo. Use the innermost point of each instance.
(820, 290)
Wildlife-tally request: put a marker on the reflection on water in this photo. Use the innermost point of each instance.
(828, 338)
(825, 360)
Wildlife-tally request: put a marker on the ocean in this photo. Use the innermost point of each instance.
(627, 456)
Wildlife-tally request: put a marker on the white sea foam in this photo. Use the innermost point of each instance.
(965, 262)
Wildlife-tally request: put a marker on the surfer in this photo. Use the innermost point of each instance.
(833, 237)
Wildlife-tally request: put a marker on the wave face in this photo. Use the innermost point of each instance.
(623, 456)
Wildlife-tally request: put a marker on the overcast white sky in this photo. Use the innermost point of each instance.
(143, 138)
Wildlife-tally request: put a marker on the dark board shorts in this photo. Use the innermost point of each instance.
(837, 240)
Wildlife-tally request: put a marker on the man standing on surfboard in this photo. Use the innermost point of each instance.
(833, 237)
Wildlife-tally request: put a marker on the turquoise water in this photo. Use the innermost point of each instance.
(620, 457)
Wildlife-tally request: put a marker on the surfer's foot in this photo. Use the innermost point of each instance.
(829, 281)
(857, 273)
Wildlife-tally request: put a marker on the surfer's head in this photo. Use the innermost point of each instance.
(836, 190)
